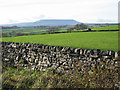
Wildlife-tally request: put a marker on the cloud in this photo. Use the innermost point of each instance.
(39, 17)
(15, 3)
(13, 21)
(80, 10)
(107, 20)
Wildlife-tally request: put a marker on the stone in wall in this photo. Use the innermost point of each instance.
(43, 57)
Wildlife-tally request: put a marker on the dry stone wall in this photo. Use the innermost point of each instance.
(62, 59)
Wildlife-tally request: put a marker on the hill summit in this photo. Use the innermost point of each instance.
(57, 22)
(47, 22)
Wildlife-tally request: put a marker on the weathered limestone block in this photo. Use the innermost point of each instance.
(95, 56)
(117, 55)
(58, 48)
(62, 59)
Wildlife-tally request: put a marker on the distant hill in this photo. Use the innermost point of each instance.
(48, 22)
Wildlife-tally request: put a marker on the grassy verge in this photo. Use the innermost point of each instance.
(98, 78)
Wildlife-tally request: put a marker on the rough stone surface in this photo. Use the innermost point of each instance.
(43, 57)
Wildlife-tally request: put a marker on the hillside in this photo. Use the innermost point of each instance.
(47, 22)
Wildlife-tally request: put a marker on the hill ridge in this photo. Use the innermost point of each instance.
(47, 22)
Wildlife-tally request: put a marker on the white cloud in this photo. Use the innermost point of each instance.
(80, 10)
(106, 20)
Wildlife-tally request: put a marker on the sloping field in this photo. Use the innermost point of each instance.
(85, 40)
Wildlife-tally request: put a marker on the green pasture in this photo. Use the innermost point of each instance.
(23, 30)
(85, 40)
(37, 30)
(112, 27)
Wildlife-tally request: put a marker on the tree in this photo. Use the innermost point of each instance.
(81, 26)
(4, 35)
(89, 29)
(52, 29)
(77, 26)
(70, 29)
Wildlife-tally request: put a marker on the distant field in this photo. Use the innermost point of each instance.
(86, 40)
(23, 30)
(113, 27)
(38, 31)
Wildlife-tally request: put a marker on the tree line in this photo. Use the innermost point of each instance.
(49, 29)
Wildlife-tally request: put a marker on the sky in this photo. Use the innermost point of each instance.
(86, 11)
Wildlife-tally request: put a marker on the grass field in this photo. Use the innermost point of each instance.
(86, 40)
(37, 30)
(23, 30)
(113, 27)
